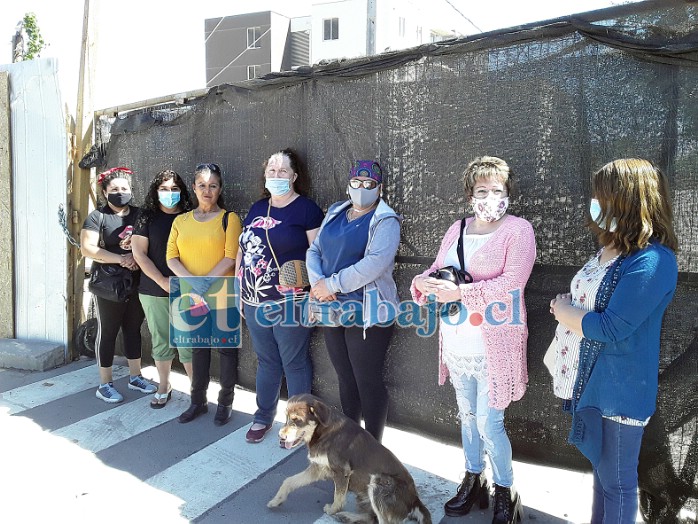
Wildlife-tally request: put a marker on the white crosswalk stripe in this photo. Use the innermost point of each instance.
(230, 461)
(125, 421)
(33, 395)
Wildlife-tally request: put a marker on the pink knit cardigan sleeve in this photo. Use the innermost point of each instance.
(500, 270)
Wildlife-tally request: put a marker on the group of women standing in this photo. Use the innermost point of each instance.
(606, 346)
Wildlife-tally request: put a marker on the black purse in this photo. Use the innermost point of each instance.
(455, 275)
(112, 281)
(452, 273)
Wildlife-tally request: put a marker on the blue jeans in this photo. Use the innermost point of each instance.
(615, 477)
(280, 350)
(482, 430)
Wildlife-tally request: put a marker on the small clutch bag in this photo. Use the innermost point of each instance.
(294, 274)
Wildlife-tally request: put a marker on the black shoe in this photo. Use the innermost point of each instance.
(507, 506)
(223, 415)
(192, 412)
(472, 489)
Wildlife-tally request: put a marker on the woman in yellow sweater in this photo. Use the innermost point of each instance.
(202, 244)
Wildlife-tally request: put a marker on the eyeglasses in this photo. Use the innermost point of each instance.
(355, 183)
(210, 166)
(481, 194)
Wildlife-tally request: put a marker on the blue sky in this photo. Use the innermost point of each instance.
(150, 48)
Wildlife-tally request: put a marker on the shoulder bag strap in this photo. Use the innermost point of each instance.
(101, 244)
(266, 232)
(461, 256)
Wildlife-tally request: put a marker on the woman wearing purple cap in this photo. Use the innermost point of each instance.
(350, 266)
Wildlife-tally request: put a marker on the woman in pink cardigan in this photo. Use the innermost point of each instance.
(482, 342)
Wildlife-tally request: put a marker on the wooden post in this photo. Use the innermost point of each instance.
(80, 183)
(7, 312)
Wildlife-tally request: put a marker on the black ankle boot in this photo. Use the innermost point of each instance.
(472, 489)
(193, 411)
(223, 414)
(507, 506)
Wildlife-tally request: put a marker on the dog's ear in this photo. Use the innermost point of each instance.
(321, 411)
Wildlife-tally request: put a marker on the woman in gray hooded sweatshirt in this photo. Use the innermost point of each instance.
(350, 266)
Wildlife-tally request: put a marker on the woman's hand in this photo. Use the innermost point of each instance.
(128, 262)
(447, 291)
(427, 285)
(561, 300)
(320, 292)
(164, 283)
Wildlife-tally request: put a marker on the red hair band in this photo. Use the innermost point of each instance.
(103, 175)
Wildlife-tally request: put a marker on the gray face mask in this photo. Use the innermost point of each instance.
(364, 198)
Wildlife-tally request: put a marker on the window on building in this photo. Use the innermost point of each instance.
(330, 29)
(401, 26)
(253, 36)
(252, 71)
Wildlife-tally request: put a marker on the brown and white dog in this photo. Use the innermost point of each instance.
(341, 450)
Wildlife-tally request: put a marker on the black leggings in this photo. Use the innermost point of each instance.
(359, 366)
(112, 316)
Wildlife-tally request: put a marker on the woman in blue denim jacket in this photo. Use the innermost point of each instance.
(350, 267)
(607, 343)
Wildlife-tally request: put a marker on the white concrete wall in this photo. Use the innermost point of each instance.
(39, 165)
(388, 25)
(353, 27)
(279, 33)
(301, 23)
(352, 30)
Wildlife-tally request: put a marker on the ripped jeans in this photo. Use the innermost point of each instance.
(482, 430)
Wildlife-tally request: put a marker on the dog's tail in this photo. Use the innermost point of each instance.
(420, 513)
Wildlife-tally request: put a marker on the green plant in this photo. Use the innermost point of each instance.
(36, 42)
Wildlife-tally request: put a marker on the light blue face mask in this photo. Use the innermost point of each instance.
(595, 212)
(278, 186)
(168, 199)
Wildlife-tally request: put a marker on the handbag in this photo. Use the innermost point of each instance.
(292, 273)
(111, 281)
(452, 273)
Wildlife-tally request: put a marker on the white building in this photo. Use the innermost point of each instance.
(355, 28)
(247, 46)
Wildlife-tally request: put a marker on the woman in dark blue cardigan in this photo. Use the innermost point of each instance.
(607, 341)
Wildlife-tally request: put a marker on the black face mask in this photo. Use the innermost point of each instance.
(119, 199)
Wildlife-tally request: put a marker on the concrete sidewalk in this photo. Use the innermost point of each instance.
(53, 420)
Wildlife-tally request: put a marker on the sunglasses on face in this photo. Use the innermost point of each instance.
(355, 183)
(210, 166)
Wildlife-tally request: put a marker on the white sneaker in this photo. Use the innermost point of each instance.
(140, 384)
(108, 393)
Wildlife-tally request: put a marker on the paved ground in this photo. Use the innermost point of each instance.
(67, 454)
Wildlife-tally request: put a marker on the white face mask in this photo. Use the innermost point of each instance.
(595, 212)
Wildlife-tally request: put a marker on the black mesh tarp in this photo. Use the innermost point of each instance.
(556, 100)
